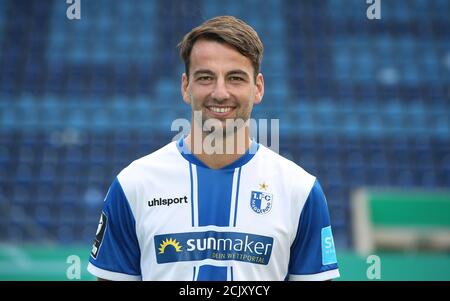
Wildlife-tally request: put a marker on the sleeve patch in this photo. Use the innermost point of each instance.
(99, 235)
(328, 250)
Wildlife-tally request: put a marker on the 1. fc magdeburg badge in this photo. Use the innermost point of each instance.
(261, 202)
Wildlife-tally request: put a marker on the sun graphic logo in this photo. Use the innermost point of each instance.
(169, 242)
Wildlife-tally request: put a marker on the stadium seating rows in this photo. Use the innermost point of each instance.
(360, 102)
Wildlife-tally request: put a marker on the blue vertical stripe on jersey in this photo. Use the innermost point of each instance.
(193, 274)
(212, 273)
(214, 196)
(192, 193)
(237, 195)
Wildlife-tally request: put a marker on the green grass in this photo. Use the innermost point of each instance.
(397, 266)
(31, 262)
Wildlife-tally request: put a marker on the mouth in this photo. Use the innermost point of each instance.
(220, 111)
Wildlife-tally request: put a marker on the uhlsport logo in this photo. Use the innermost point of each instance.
(193, 246)
(167, 202)
(261, 202)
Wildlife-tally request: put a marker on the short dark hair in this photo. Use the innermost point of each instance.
(229, 30)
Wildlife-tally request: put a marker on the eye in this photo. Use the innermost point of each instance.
(205, 78)
(236, 79)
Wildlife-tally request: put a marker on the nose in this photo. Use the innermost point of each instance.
(220, 92)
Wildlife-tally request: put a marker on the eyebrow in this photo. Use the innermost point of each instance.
(232, 72)
(238, 72)
(203, 71)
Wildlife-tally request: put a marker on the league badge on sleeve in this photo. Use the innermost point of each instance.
(99, 235)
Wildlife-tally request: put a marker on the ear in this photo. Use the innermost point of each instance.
(259, 88)
(184, 88)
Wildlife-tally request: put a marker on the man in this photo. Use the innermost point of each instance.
(232, 211)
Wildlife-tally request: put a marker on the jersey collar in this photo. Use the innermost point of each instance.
(186, 153)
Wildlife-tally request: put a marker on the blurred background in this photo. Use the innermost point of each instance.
(363, 104)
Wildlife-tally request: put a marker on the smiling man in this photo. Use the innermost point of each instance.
(222, 83)
(243, 214)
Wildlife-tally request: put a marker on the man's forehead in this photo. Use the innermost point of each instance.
(207, 54)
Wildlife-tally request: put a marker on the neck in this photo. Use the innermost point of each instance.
(217, 151)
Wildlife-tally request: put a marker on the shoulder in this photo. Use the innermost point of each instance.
(282, 164)
(149, 166)
(162, 155)
(287, 170)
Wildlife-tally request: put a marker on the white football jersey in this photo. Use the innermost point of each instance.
(167, 216)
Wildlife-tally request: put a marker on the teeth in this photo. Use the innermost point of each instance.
(220, 110)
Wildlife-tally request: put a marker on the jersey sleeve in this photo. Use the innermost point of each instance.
(115, 253)
(313, 256)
